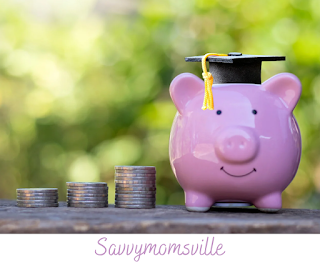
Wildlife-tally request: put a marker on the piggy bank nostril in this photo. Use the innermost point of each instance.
(242, 145)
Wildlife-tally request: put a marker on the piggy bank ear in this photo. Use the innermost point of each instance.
(287, 86)
(183, 88)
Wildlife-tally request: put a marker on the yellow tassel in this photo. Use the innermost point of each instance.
(208, 82)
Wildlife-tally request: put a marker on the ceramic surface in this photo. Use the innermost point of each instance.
(247, 149)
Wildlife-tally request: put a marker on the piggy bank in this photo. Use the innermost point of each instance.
(245, 150)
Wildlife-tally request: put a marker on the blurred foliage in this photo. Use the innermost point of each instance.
(84, 84)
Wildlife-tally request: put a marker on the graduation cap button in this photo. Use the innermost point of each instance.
(235, 54)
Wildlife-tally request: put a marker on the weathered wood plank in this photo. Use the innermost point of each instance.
(163, 219)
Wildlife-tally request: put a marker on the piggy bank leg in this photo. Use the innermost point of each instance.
(197, 202)
(269, 203)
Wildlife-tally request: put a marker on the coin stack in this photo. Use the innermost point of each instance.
(37, 197)
(135, 186)
(87, 194)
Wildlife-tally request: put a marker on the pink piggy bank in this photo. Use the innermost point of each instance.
(245, 150)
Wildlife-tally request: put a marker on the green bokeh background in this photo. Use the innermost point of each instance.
(84, 84)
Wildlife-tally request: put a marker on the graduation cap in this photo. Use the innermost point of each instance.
(234, 67)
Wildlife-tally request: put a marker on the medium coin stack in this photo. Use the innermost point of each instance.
(87, 194)
(37, 197)
(135, 186)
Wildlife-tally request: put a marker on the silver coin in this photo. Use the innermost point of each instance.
(87, 205)
(87, 195)
(43, 198)
(86, 202)
(133, 175)
(135, 168)
(86, 184)
(117, 184)
(135, 195)
(38, 195)
(153, 172)
(20, 201)
(138, 187)
(37, 190)
(135, 182)
(81, 188)
(72, 198)
(37, 205)
(37, 201)
(135, 199)
(88, 191)
(135, 206)
(134, 202)
(135, 192)
(103, 204)
(147, 179)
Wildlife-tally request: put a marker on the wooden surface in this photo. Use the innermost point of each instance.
(163, 219)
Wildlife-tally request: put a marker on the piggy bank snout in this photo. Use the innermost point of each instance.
(236, 144)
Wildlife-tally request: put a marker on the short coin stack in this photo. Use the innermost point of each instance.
(135, 186)
(37, 197)
(87, 194)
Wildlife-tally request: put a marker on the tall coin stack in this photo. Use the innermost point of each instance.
(37, 197)
(135, 186)
(87, 194)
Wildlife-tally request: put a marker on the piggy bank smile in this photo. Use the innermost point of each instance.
(238, 176)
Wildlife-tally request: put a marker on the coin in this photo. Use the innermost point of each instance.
(134, 168)
(134, 202)
(36, 201)
(134, 182)
(86, 184)
(137, 187)
(87, 205)
(87, 195)
(153, 172)
(44, 198)
(86, 202)
(88, 191)
(136, 199)
(135, 192)
(38, 194)
(37, 190)
(69, 198)
(92, 188)
(135, 179)
(135, 206)
(117, 184)
(37, 205)
(135, 195)
(133, 175)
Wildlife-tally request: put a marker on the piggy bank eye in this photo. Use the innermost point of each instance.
(219, 112)
(254, 111)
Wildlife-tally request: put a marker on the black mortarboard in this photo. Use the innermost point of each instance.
(236, 67)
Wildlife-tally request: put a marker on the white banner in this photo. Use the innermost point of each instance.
(166, 251)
